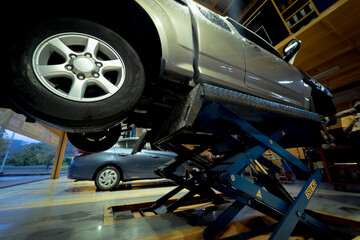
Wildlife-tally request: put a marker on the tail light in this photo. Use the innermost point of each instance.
(79, 153)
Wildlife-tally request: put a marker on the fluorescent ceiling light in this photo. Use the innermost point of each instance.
(328, 72)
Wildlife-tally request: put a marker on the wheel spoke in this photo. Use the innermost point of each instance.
(78, 90)
(112, 65)
(53, 70)
(106, 85)
(59, 47)
(92, 46)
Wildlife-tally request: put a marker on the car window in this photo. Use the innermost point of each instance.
(246, 33)
(131, 143)
(121, 144)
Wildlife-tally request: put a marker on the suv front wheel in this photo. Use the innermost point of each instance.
(76, 75)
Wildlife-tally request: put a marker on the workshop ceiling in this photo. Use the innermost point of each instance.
(331, 46)
(330, 43)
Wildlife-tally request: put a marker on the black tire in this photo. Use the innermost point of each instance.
(30, 95)
(104, 184)
(96, 141)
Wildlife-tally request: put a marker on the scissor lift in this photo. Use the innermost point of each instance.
(238, 128)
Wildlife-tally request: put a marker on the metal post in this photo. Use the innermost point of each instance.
(7, 152)
(296, 210)
(59, 156)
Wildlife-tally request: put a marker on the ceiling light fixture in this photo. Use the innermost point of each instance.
(328, 72)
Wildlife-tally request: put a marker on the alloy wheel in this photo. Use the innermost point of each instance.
(79, 67)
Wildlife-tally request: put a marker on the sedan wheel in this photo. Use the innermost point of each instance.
(108, 178)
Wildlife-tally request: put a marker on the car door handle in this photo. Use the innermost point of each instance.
(252, 45)
(122, 154)
(155, 156)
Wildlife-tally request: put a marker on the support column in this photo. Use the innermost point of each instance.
(59, 156)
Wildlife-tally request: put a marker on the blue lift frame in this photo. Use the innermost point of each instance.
(211, 115)
(231, 177)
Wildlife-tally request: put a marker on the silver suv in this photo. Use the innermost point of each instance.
(84, 70)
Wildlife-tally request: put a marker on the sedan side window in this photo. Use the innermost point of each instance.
(121, 144)
(131, 143)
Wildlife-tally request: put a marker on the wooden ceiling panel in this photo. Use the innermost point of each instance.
(319, 30)
(318, 46)
(323, 57)
(349, 28)
(348, 77)
(341, 61)
(343, 74)
(342, 13)
(355, 40)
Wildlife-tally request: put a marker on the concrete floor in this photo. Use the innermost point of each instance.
(63, 209)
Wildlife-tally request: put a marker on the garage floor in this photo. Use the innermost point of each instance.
(63, 209)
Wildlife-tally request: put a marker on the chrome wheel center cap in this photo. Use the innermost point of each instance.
(83, 64)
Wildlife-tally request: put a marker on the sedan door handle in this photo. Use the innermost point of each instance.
(122, 154)
(155, 156)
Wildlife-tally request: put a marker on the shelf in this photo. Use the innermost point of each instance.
(295, 13)
(289, 7)
(292, 26)
(301, 8)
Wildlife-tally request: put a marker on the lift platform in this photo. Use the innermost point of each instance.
(238, 129)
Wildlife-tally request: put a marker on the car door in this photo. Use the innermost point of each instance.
(220, 60)
(268, 73)
(137, 166)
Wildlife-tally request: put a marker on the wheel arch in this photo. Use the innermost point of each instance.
(140, 32)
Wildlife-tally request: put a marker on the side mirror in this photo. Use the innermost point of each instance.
(291, 49)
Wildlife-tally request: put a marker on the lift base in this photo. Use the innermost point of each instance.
(189, 222)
